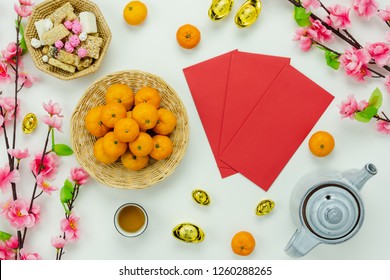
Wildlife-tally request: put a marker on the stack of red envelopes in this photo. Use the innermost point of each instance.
(256, 111)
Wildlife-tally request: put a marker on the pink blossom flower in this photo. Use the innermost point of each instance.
(5, 206)
(18, 154)
(305, 42)
(8, 104)
(19, 216)
(380, 52)
(23, 10)
(349, 107)
(58, 242)
(11, 51)
(355, 63)
(383, 127)
(53, 122)
(52, 108)
(13, 242)
(6, 253)
(70, 227)
(44, 185)
(384, 14)
(339, 16)
(319, 32)
(307, 4)
(29, 256)
(7, 177)
(79, 175)
(387, 83)
(365, 8)
(48, 168)
(26, 2)
(27, 80)
(4, 75)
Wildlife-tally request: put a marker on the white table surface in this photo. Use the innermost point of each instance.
(152, 47)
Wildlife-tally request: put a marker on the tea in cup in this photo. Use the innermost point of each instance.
(130, 219)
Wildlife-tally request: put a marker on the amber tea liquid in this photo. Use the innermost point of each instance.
(131, 218)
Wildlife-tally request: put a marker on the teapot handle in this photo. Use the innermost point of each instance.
(301, 243)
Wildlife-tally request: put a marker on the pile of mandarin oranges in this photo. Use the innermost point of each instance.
(131, 127)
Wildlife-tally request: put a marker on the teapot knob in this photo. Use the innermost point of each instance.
(301, 243)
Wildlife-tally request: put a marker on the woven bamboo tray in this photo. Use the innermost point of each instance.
(116, 175)
(43, 10)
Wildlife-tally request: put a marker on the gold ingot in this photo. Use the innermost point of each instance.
(29, 123)
(264, 207)
(189, 233)
(219, 9)
(201, 197)
(248, 13)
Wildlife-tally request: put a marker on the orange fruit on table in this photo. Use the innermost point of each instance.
(148, 95)
(145, 115)
(188, 36)
(135, 12)
(93, 122)
(166, 122)
(321, 143)
(243, 243)
(111, 113)
(126, 130)
(162, 147)
(120, 93)
(134, 162)
(112, 146)
(100, 155)
(142, 145)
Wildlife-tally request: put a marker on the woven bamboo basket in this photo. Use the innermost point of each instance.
(42, 11)
(116, 175)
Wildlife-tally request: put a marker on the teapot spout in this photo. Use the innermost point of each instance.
(359, 178)
(301, 243)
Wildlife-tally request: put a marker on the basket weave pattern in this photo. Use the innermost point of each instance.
(116, 175)
(42, 11)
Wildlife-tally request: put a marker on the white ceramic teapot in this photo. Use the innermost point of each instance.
(327, 208)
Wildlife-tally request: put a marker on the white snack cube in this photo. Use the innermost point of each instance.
(88, 22)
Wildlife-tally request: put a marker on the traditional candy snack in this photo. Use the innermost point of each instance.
(68, 39)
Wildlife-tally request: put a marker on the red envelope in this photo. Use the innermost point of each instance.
(207, 82)
(251, 75)
(276, 127)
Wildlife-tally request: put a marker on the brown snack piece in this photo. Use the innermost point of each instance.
(71, 16)
(63, 56)
(61, 65)
(60, 14)
(93, 45)
(84, 63)
(58, 32)
(45, 49)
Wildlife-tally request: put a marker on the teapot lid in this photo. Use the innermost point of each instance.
(332, 211)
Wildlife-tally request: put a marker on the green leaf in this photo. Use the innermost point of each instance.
(376, 99)
(66, 194)
(62, 150)
(5, 236)
(332, 59)
(367, 114)
(301, 17)
(22, 41)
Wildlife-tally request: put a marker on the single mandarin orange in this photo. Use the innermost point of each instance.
(112, 146)
(243, 243)
(121, 94)
(126, 130)
(162, 147)
(100, 155)
(133, 162)
(148, 95)
(111, 113)
(135, 12)
(142, 145)
(145, 115)
(188, 36)
(321, 143)
(166, 122)
(93, 122)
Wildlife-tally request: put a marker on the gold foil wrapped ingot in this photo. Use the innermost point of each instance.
(189, 233)
(264, 207)
(29, 123)
(219, 9)
(248, 13)
(201, 197)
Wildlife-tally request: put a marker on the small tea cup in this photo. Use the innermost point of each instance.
(131, 219)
